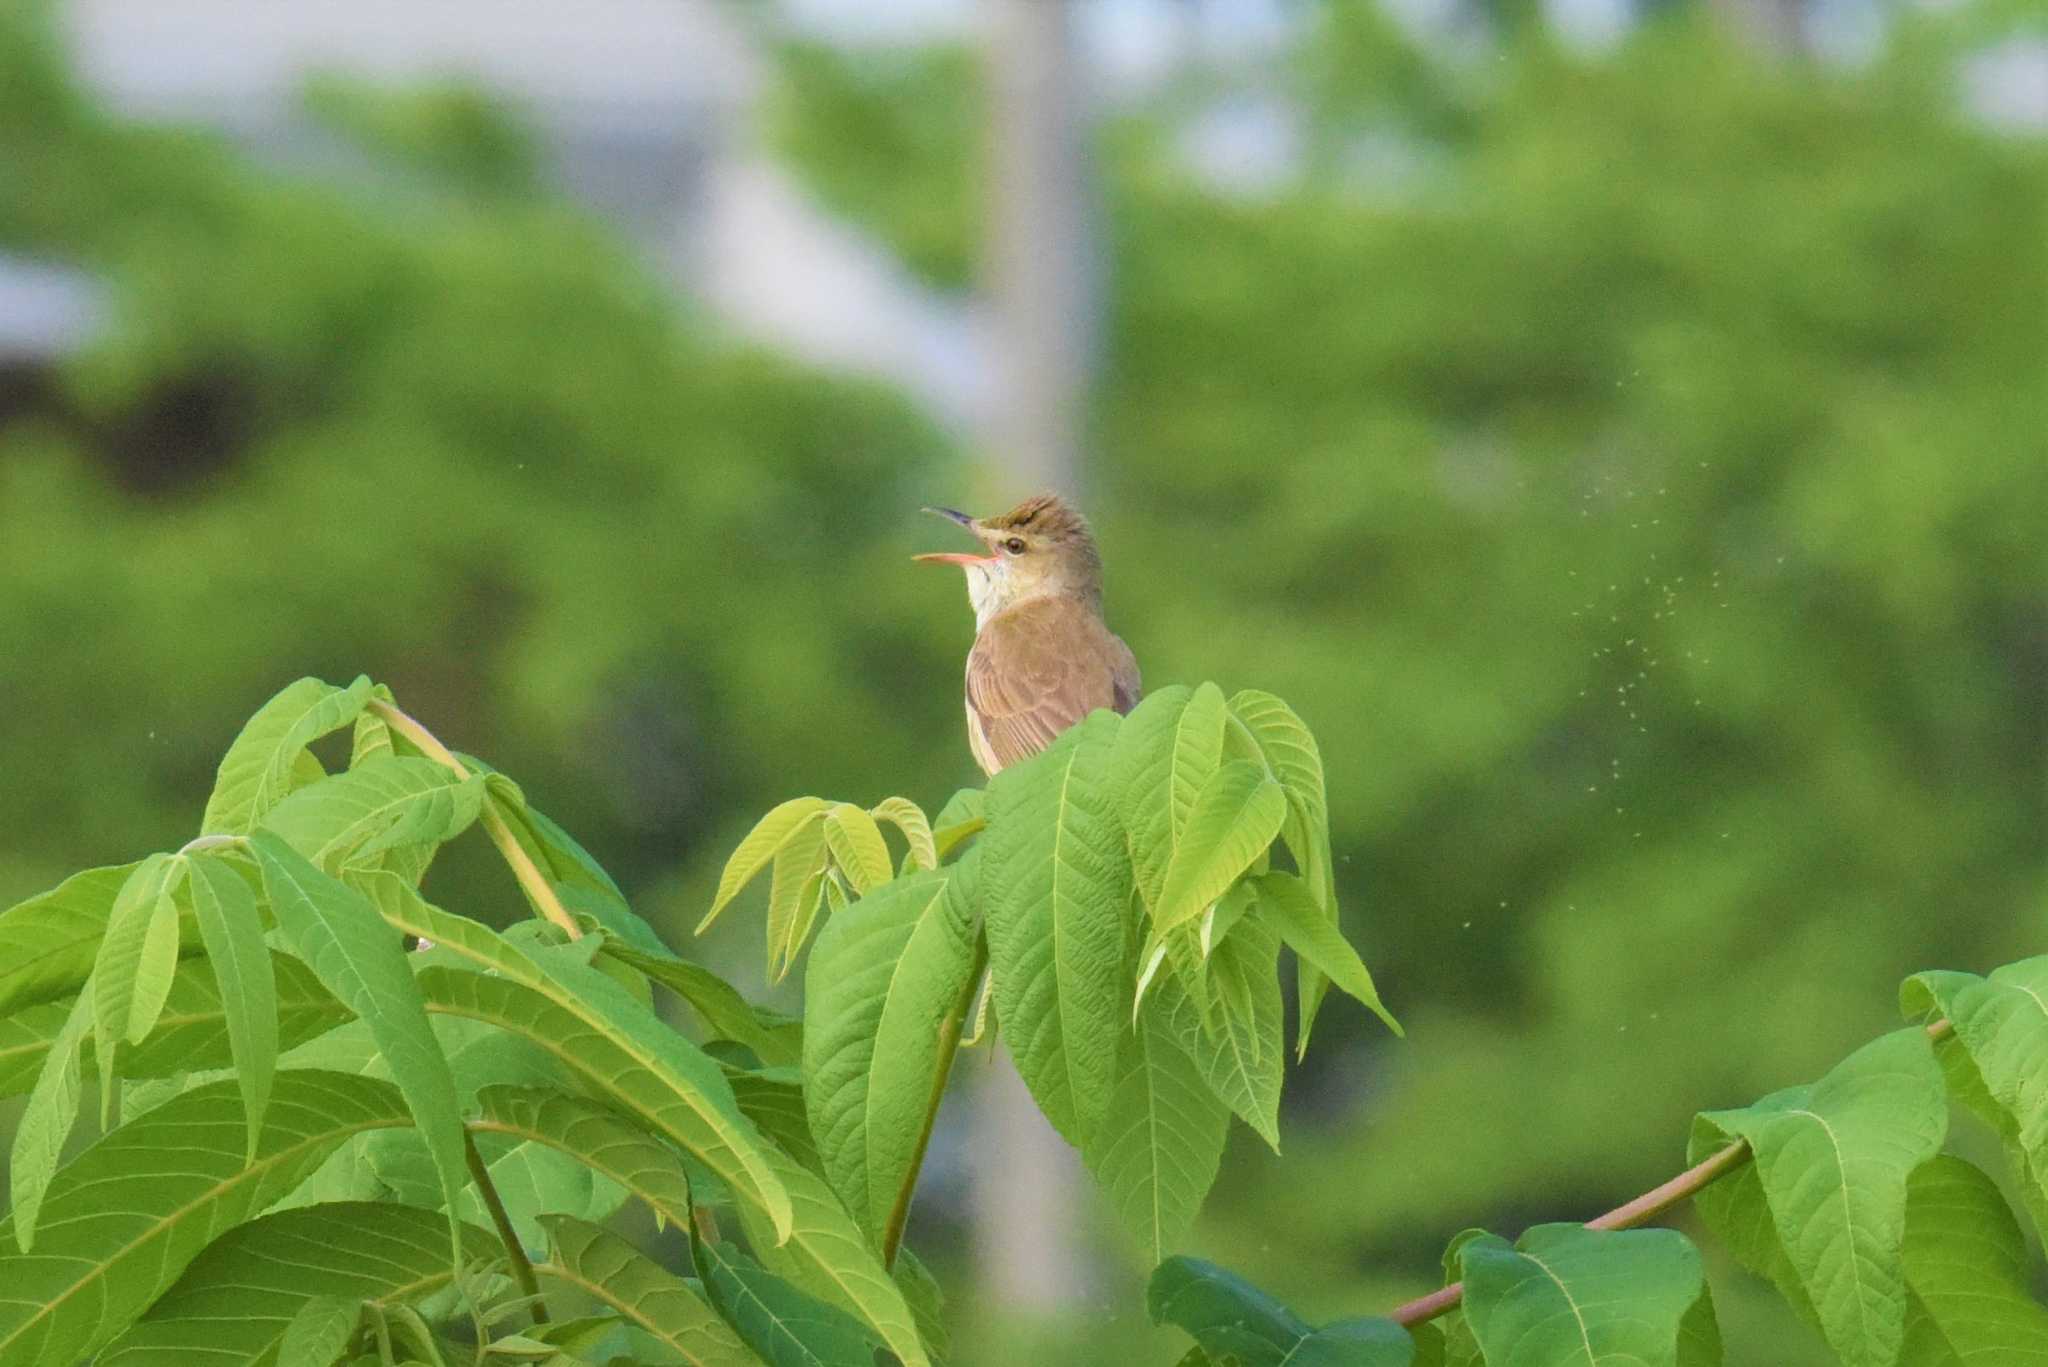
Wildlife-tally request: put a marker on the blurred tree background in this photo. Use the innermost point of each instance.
(1630, 463)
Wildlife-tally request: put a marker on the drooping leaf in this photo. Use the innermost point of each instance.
(608, 1144)
(124, 1218)
(759, 847)
(1966, 1265)
(46, 1124)
(304, 1271)
(1158, 1148)
(1056, 882)
(319, 1331)
(781, 1323)
(827, 1255)
(1232, 1319)
(2000, 1039)
(776, 1040)
(795, 886)
(48, 942)
(118, 974)
(233, 934)
(670, 1310)
(1314, 936)
(927, 1302)
(1577, 1297)
(1235, 816)
(346, 942)
(907, 817)
(858, 851)
(773, 1098)
(1236, 1041)
(1830, 1173)
(1290, 753)
(1165, 751)
(258, 769)
(383, 803)
(881, 980)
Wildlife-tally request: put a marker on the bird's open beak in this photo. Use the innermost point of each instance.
(953, 557)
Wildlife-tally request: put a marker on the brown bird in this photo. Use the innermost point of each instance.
(1042, 659)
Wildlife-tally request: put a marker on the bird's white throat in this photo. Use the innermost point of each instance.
(988, 584)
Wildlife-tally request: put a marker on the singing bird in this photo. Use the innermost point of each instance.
(1042, 659)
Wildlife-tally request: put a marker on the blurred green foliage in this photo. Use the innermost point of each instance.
(1631, 466)
(1635, 477)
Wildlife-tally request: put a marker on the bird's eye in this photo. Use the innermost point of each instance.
(1015, 545)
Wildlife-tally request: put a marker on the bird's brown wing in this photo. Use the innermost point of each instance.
(1037, 669)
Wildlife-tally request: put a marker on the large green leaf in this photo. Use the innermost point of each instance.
(1996, 1053)
(1234, 818)
(881, 980)
(347, 943)
(47, 943)
(1822, 1210)
(239, 1299)
(786, 1327)
(1165, 751)
(385, 802)
(258, 769)
(1966, 1263)
(1158, 1148)
(595, 1027)
(1235, 1321)
(1316, 939)
(775, 1039)
(1284, 742)
(828, 1256)
(1236, 1039)
(125, 1217)
(1057, 882)
(1568, 1296)
(758, 847)
(602, 1140)
(668, 1308)
(233, 934)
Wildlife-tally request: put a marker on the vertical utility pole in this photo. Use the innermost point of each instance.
(1027, 1182)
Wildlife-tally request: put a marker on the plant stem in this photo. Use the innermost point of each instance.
(1640, 1211)
(515, 1252)
(531, 879)
(948, 1044)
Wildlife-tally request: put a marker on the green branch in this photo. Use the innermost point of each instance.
(515, 1252)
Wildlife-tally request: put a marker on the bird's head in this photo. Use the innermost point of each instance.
(1041, 548)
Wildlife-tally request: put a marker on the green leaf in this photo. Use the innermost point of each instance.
(319, 1331)
(1830, 1172)
(1290, 753)
(306, 1271)
(123, 977)
(1310, 932)
(776, 1040)
(794, 888)
(881, 979)
(1235, 817)
(233, 934)
(2000, 1040)
(857, 848)
(907, 817)
(1568, 1296)
(1699, 1333)
(385, 802)
(123, 1218)
(346, 942)
(927, 1301)
(1966, 1262)
(755, 851)
(603, 1141)
(1165, 751)
(47, 943)
(666, 1307)
(785, 1326)
(827, 1255)
(1236, 1040)
(1158, 1148)
(1232, 1319)
(46, 1124)
(258, 769)
(1057, 882)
